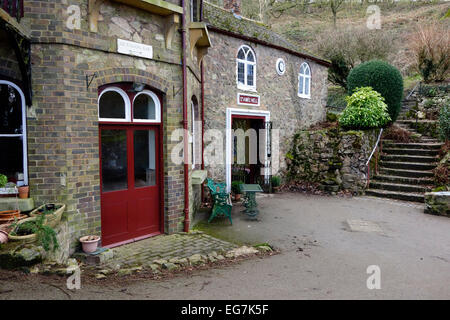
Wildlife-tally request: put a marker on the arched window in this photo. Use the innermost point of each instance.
(246, 69)
(304, 81)
(114, 105)
(146, 107)
(13, 134)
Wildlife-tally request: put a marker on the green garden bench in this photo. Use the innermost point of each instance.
(222, 200)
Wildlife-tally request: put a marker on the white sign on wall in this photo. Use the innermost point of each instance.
(134, 49)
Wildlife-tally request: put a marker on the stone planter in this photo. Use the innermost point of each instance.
(438, 203)
(29, 238)
(52, 219)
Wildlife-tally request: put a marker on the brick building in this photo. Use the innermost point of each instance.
(92, 93)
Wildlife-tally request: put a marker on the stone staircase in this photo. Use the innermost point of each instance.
(405, 169)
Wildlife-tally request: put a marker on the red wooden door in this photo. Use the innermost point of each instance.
(130, 183)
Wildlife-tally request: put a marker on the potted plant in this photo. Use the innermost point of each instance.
(23, 192)
(236, 188)
(52, 212)
(33, 229)
(276, 182)
(89, 243)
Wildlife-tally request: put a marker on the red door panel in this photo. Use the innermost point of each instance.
(130, 193)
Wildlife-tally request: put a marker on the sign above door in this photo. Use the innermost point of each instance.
(248, 100)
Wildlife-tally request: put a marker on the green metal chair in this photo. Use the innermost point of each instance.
(222, 200)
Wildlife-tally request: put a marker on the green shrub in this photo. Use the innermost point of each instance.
(383, 78)
(236, 186)
(365, 110)
(3, 180)
(276, 181)
(444, 121)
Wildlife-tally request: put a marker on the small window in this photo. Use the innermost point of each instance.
(195, 10)
(196, 129)
(246, 69)
(114, 105)
(146, 107)
(304, 81)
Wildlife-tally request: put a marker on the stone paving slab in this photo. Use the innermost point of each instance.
(181, 245)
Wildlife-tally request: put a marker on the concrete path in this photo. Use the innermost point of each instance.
(323, 256)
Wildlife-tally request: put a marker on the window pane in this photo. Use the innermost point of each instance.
(307, 86)
(241, 54)
(306, 70)
(300, 85)
(250, 57)
(144, 158)
(241, 72)
(114, 160)
(144, 108)
(10, 110)
(112, 106)
(250, 74)
(11, 160)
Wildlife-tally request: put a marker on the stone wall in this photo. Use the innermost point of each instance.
(333, 158)
(438, 203)
(278, 94)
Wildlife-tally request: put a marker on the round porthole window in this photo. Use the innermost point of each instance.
(281, 67)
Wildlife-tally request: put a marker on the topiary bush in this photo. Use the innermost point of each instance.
(444, 121)
(365, 110)
(383, 78)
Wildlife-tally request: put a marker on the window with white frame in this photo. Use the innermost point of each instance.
(13, 135)
(115, 105)
(196, 129)
(304, 81)
(246, 69)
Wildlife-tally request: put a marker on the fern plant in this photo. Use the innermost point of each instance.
(46, 235)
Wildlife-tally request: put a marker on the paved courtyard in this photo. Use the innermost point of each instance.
(166, 247)
(327, 245)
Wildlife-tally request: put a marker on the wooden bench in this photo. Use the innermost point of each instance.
(222, 200)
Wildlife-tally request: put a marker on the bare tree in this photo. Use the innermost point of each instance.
(335, 6)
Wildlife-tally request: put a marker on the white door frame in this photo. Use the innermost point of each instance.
(244, 112)
(23, 135)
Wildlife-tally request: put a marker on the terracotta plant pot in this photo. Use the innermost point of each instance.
(89, 243)
(237, 197)
(9, 215)
(3, 236)
(23, 192)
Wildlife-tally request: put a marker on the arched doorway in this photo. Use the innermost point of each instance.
(130, 163)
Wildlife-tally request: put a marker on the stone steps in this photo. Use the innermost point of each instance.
(412, 152)
(407, 165)
(406, 173)
(390, 186)
(404, 180)
(411, 145)
(405, 196)
(408, 158)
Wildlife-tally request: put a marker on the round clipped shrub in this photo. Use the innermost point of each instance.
(444, 121)
(383, 78)
(365, 110)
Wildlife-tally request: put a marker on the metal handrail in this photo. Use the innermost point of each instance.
(412, 91)
(371, 155)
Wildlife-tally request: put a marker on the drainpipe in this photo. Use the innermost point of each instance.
(185, 119)
(203, 120)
